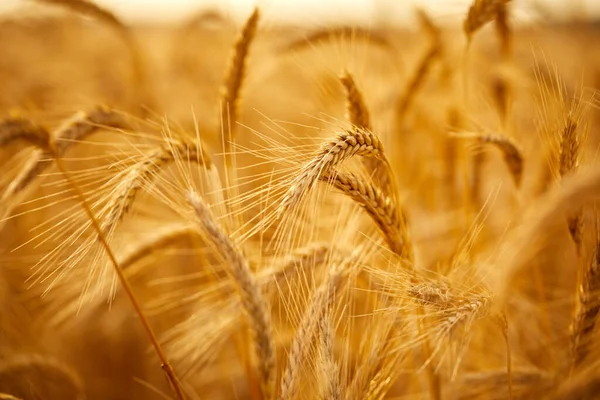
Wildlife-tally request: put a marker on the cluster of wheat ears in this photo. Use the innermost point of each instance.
(362, 226)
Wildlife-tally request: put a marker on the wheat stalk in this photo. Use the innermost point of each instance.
(253, 301)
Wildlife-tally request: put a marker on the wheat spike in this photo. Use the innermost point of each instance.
(355, 142)
(76, 129)
(321, 301)
(16, 128)
(236, 71)
(569, 156)
(330, 386)
(143, 172)
(379, 207)
(253, 301)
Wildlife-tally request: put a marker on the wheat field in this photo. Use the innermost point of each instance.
(213, 211)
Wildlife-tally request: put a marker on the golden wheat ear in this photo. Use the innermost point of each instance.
(354, 142)
(378, 206)
(253, 301)
(234, 79)
(308, 330)
(71, 132)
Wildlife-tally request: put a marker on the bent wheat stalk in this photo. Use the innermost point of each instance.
(51, 148)
(253, 301)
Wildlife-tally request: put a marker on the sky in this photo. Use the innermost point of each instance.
(366, 12)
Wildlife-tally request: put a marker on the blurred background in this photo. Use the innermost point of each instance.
(318, 12)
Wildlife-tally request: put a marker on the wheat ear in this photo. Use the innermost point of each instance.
(569, 156)
(379, 207)
(236, 71)
(253, 301)
(21, 129)
(76, 129)
(143, 172)
(358, 114)
(330, 384)
(307, 331)
(354, 142)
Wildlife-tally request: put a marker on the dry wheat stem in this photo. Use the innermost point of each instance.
(253, 301)
(236, 71)
(321, 301)
(417, 79)
(166, 366)
(350, 143)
